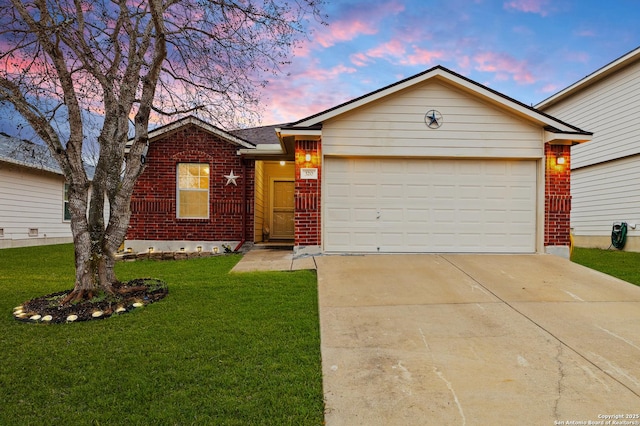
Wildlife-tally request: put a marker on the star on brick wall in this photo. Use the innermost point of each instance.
(231, 178)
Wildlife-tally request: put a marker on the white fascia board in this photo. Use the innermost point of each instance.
(592, 78)
(565, 138)
(298, 132)
(464, 84)
(265, 149)
(204, 125)
(31, 166)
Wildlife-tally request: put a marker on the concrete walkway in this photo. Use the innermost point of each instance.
(476, 340)
(269, 259)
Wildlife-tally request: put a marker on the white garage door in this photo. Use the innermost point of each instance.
(425, 205)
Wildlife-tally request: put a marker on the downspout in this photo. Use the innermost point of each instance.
(244, 206)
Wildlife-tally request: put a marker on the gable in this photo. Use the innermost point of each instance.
(394, 125)
(555, 131)
(194, 122)
(609, 107)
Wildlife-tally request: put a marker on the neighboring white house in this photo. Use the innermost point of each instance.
(33, 206)
(605, 173)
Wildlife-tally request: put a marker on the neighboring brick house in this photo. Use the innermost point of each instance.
(433, 163)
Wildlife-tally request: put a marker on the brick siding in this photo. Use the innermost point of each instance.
(308, 193)
(557, 196)
(153, 205)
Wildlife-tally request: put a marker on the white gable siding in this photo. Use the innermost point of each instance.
(31, 200)
(394, 126)
(610, 108)
(605, 194)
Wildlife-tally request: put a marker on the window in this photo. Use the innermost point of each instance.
(65, 207)
(193, 190)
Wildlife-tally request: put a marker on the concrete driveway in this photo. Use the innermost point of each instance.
(476, 340)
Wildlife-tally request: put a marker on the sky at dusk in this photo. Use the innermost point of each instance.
(525, 49)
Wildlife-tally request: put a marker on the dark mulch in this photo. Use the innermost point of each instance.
(128, 296)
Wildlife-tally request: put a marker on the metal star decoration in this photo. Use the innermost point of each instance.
(231, 178)
(433, 119)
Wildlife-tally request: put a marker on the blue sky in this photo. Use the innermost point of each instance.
(525, 49)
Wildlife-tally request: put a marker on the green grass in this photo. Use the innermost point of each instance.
(620, 264)
(220, 349)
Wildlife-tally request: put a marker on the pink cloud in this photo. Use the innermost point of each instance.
(304, 93)
(356, 22)
(504, 67)
(464, 62)
(528, 6)
(393, 48)
(396, 51)
(550, 88)
(345, 31)
(360, 59)
(423, 57)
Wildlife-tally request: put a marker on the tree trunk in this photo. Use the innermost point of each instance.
(94, 255)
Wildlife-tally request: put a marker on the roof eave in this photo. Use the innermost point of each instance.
(557, 137)
(453, 78)
(31, 166)
(191, 120)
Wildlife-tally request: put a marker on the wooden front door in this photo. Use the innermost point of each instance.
(282, 213)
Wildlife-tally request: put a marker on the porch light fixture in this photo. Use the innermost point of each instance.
(307, 157)
(560, 160)
(282, 162)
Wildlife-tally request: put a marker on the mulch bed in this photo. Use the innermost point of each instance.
(129, 296)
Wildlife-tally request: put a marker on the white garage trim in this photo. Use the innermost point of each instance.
(430, 205)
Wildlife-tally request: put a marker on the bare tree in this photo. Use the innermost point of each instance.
(128, 61)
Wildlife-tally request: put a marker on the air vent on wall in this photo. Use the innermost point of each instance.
(33, 232)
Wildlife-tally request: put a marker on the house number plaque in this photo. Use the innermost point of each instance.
(309, 174)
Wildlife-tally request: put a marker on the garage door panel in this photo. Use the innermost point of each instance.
(429, 205)
(342, 190)
(392, 192)
(366, 240)
(364, 192)
(417, 217)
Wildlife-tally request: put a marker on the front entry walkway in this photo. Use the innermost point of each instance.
(273, 259)
(476, 340)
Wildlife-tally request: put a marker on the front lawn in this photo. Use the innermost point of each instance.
(620, 264)
(221, 349)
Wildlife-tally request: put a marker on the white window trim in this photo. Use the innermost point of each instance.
(65, 203)
(178, 191)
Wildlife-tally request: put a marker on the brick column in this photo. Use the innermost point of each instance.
(557, 199)
(308, 229)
